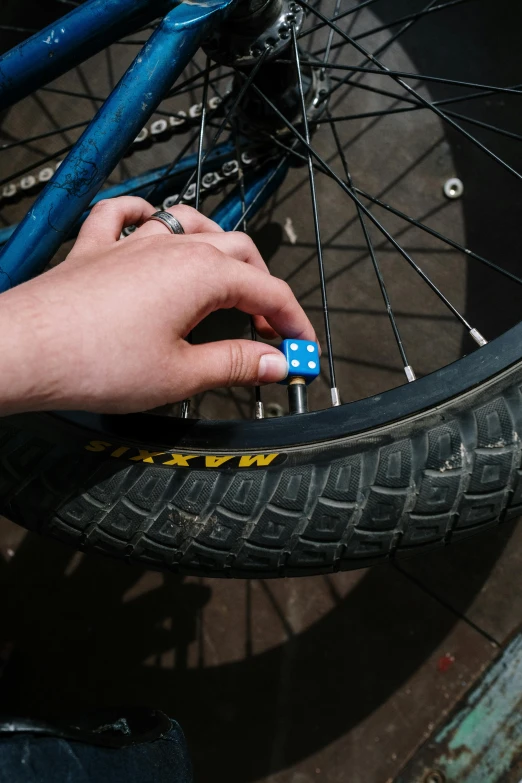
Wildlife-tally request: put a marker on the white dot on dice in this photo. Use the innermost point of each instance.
(310, 348)
(312, 365)
(294, 346)
(294, 363)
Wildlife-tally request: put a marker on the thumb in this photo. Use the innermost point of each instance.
(233, 363)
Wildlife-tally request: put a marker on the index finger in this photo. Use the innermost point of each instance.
(247, 288)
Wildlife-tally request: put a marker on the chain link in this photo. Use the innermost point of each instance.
(211, 182)
(159, 130)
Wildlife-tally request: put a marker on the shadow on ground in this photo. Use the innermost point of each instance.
(78, 642)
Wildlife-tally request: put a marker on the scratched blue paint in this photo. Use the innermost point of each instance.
(141, 184)
(259, 186)
(70, 40)
(483, 740)
(101, 146)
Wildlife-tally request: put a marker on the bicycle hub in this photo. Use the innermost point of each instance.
(253, 27)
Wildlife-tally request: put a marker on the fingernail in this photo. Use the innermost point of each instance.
(272, 367)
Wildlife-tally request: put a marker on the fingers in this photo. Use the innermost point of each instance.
(193, 222)
(231, 243)
(223, 282)
(233, 363)
(109, 217)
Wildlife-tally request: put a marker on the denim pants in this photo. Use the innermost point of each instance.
(28, 758)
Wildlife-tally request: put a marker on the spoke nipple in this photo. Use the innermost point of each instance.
(336, 397)
(260, 411)
(410, 375)
(478, 337)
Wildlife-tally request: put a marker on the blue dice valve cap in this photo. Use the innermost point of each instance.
(303, 360)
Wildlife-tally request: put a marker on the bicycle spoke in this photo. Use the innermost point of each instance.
(201, 140)
(27, 169)
(344, 14)
(204, 73)
(353, 21)
(474, 333)
(384, 71)
(189, 82)
(99, 99)
(406, 99)
(392, 184)
(438, 235)
(74, 94)
(86, 87)
(416, 105)
(185, 86)
(381, 314)
(330, 39)
(379, 50)
(181, 154)
(259, 412)
(334, 391)
(248, 82)
(185, 405)
(408, 370)
(425, 102)
(393, 38)
(456, 115)
(388, 42)
(262, 190)
(243, 221)
(409, 18)
(46, 135)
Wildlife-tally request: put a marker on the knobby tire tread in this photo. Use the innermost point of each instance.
(405, 490)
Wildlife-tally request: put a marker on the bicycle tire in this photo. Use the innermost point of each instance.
(409, 486)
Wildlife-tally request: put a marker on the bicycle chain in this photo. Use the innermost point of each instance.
(158, 131)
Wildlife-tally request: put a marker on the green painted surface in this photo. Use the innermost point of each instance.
(483, 739)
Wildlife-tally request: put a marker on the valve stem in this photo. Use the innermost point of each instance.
(297, 396)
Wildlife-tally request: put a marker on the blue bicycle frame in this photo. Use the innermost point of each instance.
(64, 202)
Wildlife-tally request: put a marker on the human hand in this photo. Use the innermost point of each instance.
(105, 330)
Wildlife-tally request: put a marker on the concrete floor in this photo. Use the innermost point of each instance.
(334, 679)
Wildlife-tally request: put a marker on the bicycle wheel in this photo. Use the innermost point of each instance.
(402, 470)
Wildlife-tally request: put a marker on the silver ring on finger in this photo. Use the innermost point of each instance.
(168, 220)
